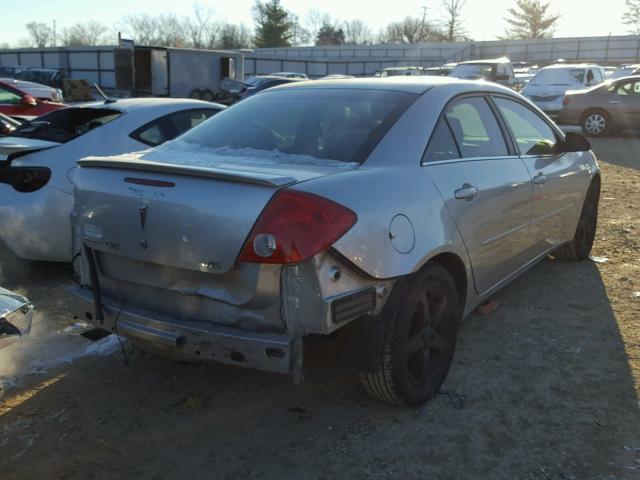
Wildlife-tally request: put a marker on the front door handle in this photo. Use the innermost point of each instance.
(467, 192)
(613, 102)
(539, 179)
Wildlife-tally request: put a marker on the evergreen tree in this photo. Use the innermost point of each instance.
(330, 35)
(274, 27)
(529, 20)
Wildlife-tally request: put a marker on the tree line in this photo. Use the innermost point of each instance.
(275, 26)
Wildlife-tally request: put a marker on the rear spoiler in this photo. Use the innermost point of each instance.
(242, 176)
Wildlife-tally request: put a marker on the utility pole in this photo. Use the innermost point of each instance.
(54, 33)
(423, 23)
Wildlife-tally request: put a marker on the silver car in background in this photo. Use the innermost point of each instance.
(15, 317)
(378, 211)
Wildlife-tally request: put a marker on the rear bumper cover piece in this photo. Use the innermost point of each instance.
(187, 339)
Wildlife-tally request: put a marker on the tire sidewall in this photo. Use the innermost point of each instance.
(411, 393)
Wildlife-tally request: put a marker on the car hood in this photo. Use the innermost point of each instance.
(13, 145)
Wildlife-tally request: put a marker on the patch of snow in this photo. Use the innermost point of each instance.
(181, 152)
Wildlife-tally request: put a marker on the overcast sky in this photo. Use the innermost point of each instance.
(483, 19)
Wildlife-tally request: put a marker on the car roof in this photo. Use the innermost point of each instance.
(409, 84)
(134, 104)
(490, 61)
(559, 66)
(24, 83)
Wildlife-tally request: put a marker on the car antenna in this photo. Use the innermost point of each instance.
(106, 99)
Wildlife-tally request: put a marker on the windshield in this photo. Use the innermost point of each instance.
(559, 76)
(66, 124)
(341, 125)
(473, 70)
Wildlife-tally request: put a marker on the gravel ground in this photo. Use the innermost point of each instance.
(545, 387)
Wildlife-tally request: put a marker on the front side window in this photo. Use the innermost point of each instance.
(532, 134)
(475, 128)
(7, 97)
(320, 124)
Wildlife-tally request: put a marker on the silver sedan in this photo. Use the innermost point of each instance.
(378, 211)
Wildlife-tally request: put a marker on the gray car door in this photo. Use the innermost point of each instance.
(486, 188)
(623, 103)
(556, 177)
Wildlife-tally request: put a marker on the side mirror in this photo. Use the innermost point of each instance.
(29, 101)
(574, 142)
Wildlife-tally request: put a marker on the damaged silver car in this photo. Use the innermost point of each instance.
(15, 317)
(379, 212)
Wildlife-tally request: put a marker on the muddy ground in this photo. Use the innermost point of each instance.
(546, 387)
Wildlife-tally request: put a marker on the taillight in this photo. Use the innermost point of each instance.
(295, 226)
(25, 179)
(565, 101)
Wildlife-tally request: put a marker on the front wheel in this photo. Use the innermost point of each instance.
(420, 339)
(596, 123)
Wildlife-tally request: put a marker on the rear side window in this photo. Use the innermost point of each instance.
(442, 146)
(170, 126)
(475, 128)
(532, 134)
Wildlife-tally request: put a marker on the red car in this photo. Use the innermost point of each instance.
(15, 102)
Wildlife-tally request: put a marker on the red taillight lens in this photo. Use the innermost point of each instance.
(25, 179)
(295, 226)
(565, 100)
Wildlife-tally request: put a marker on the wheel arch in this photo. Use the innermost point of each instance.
(458, 271)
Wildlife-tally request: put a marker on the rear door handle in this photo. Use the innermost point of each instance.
(467, 192)
(539, 179)
(613, 102)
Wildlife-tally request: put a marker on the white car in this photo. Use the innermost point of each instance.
(36, 90)
(38, 161)
(547, 87)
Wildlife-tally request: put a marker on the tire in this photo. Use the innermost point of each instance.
(206, 95)
(596, 123)
(196, 94)
(421, 329)
(580, 247)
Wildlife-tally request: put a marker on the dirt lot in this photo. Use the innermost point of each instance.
(546, 387)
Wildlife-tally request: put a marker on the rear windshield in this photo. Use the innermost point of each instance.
(473, 70)
(66, 124)
(341, 125)
(559, 76)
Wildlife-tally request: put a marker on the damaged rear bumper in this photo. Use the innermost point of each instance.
(16, 313)
(187, 339)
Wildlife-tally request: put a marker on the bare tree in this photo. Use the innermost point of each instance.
(313, 22)
(234, 36)
(40, 34)
(631, 16)
(197, 25)
(142, 28)
(529, 20)
(453, 22)
(84, 34)
(357, 32)
(411, 30)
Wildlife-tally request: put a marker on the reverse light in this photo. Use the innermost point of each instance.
(295, 226)
(25, 179)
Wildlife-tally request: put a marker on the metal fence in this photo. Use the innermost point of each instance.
(94, 64)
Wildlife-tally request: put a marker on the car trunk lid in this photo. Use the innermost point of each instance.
(12, 146)
(181, 216)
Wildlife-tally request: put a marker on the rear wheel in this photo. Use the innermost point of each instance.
(596, 123)
(580, 247)
(196, 94)
(420, 339)
(207, 95)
